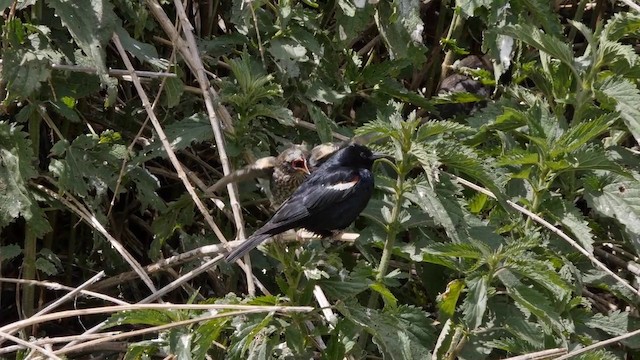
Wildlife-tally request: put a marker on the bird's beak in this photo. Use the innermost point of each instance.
(304, 168)
(376, 155)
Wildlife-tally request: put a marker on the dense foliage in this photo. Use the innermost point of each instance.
(508, 223)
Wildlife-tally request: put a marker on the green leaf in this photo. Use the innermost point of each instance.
(449, 299)
(531, 300)
(142, 51)
(86, 165)
(620, 200)
(401, 333)
(142, 317)
(322, 121)
(626, 97)
(181, 134)
(468, 7)
(620, 25)
(9, 252)
(533, 36)
(16, 170)
(387, 295)
(46, 266)
(174, 88)
(475, 303)
(570, 217)
(24, 70)
(582, 133)
(91, 23)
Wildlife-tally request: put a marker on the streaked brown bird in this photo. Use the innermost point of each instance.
(289, 171)
(285, 172)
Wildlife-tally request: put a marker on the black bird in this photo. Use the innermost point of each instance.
(285, 172)
(331, 198)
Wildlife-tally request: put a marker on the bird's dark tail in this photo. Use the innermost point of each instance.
(251, 243)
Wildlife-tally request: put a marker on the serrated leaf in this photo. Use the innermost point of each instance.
(626, 96)
(435, 127)
(621, 24)
(181, 134)
(387, 296)
(403, 333)
(582, 133)
(571, 218)
(475, 303)
(619, 200)
(174, 88)
(91, 23)
(24, 70)
(322, 121)
(85, 166)
(142, 51)
(16, 169)
(46, 266)
(532, 36)
(8, 252)
(532, 301)
(468, 7)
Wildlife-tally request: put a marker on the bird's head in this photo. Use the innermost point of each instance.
(354, 155)
(293, 160)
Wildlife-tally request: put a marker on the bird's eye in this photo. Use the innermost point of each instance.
(363, 155)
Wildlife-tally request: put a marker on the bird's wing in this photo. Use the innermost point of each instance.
(314, 195)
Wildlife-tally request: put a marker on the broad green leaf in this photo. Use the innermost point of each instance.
(91, 23)
(181, 134)
(174, 88)
(541, 273)
(345, 284)
(402, 333)
(475, 304)
(142, 51)
(323, 123)
(142, 317)
(626, 97)
(531, 300)
(619, 200)
(620, 25)
(387, 296)
(570, 217)
(8, 252)
(532, 36)
(468, 7)
(16, 170)
(582, 133)
(85, 165)
(449, 299)
(24, 70)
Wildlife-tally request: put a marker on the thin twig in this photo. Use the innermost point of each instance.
(90, 219)
(70, 294)
(208, 93)
(632, 5)
(155, 329)
(165, 142)
(17, 325)
(599, 345)
(29, 345)
(310, 126)
(540, 355)
(555, 230)
(56, 287)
